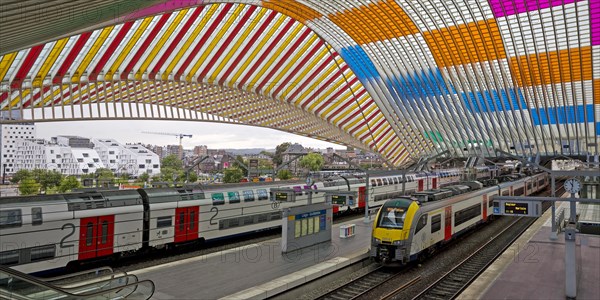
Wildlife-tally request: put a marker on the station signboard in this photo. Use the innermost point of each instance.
(518, 208)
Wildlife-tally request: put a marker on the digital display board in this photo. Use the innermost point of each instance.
(281, 196)
(338, 200)
(516, 208)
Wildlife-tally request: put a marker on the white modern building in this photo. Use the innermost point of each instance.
(10, 135)
(132, 159)
(40, 154)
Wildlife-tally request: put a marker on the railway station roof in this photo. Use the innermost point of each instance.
(403, 78)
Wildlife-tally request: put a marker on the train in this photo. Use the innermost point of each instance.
(40, 233)
(411, 228)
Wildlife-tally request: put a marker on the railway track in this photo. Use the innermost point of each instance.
(458, 278)
(362, 285)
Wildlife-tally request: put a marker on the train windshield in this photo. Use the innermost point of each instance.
(393, 213)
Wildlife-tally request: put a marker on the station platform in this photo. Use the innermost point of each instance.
(256, 271)
(534, 266)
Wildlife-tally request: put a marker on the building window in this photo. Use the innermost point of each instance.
(155, 166)
(80, 160)
(86, 155)
(142, 166)
(111, 152)
(96, 160)
(148, 161)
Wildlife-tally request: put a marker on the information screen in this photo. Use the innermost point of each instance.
(281, 196)
(516, 208)
(338, 199)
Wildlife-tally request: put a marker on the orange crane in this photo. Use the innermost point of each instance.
(179, 135)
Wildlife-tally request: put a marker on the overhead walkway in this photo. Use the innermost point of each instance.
(102, 283)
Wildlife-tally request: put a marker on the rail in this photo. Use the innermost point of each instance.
(17, 285)
(362, 285)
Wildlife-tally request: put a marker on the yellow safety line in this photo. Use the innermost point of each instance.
(5, 64)
(214, 41)
(91, 53)
(160, 44)
(190, 40)
(49, 62)
(132, 42)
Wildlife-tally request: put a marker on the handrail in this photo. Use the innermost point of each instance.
(35, 281)
(77, 274)
(93, 280)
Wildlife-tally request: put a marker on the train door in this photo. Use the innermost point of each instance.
(96, 236)
(448, 223)
(434, 182)
(485, 206)
(186, 223)
(361, 196)
(420, 185)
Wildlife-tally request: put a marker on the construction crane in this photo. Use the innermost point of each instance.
(179, 135)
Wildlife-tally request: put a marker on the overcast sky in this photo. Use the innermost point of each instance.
(214, 135)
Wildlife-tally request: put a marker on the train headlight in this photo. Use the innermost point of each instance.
(398, 242)
(376, 241)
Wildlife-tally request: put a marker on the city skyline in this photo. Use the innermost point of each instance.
(213, 135)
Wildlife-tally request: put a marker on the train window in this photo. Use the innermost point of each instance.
(262, 194)
(234, 197)
(104, 233)
(9, 258)
(467, 214)
(436, 223)
(218, 198)
(89, 238)
(379, 183)
(193, 220)
(248, 196)
(505, 193)
(10, 218)
(490, 203)
(373, 183)
(164, 222)
(36, 216)
(422, 222)
(43, 252)
(396, 180)
(181, 221)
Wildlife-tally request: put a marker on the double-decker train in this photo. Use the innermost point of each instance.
(51, 231)
(407, 228)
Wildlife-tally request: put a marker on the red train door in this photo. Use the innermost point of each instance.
(361, 196)
(485, 206)
(434, 182)
(186, 223)
(420, 185)
(448, 223)
(96, 236)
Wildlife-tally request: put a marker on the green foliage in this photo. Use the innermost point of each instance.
(312, 161)
(232, 175)
(240, 163)
(192, 177)
(68, 184)
(20, 175)
(279, 150)
(47, 179)
(156, 178)
(28, 186)
(144, 177)
(104, 174)
(284, 174)
(171, 162)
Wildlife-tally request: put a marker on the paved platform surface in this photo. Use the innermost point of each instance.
(534, 267)
(256, 271)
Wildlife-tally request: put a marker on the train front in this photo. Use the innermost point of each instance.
(391, 230)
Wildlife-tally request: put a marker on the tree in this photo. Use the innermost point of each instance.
(20, 175)
(312, 161)
(69, 183)
(156, 178)
(239, 163)
(277, 157)
(144, 177)
(104, 174)
(232, 175)
(192, 177)
(47, 179)
(284, 174)
(171, 169)
(124, 177)
(171, 161)
(29, 186)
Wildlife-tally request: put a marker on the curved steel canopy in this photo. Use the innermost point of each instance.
(403, 78)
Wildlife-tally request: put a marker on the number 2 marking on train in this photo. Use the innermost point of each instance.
(216, 211)
(62, 242)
